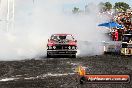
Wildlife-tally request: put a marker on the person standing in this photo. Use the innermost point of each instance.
(116, 35)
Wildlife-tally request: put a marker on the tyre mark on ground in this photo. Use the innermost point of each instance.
(10, 70)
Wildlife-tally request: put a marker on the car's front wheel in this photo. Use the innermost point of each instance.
(74, 56)
(48, 55)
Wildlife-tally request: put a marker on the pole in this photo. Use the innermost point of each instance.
(13, 13)
(8, 14)
(33, 1)
(0, 4)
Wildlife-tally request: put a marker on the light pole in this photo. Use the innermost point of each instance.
(33, 1)
(13, 14)
(10, 14)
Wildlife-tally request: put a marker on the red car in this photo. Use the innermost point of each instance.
(62, 44)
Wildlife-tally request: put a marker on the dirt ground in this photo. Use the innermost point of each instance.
(59, 72)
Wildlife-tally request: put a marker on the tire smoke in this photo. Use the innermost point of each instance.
(35, 22)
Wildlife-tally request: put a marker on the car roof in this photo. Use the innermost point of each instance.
(62, 34)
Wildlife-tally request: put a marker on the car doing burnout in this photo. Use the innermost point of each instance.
(62, 44)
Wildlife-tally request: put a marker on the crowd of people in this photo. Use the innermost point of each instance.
(125, 20)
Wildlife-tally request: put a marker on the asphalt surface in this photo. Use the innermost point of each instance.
(59, 72)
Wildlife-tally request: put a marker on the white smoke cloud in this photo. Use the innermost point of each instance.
(34, 23)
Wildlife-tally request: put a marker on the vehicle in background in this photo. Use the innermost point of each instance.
(126, 44)
(62, 44)
(112, 47)
(123, 47)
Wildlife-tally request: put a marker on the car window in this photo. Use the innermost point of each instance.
(57, 37)
(69, 37)
(53, 37)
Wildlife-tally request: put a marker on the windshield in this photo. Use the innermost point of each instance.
(62, 37)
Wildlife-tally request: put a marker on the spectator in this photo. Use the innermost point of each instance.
(116, 35)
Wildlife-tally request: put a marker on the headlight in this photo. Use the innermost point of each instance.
(69, 47)
(73, 47)
(49, 47)
(54, 47)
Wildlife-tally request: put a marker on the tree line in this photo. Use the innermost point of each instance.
(118, 6)
(107, 6)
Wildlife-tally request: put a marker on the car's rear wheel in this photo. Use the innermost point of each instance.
(74, 56)
(48, 55)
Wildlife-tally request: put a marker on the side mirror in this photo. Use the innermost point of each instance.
(75, 40)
